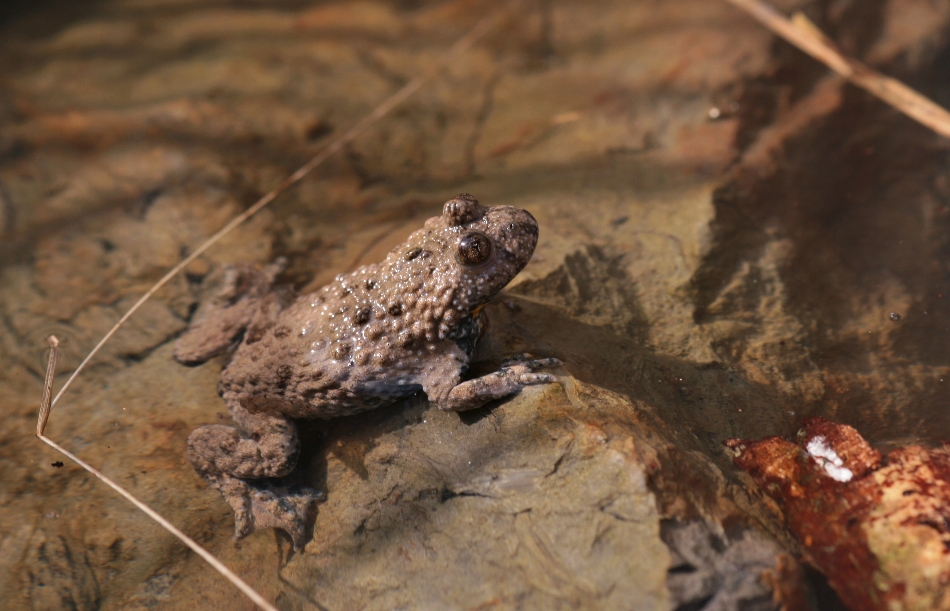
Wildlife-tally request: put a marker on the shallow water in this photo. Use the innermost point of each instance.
(701, 279)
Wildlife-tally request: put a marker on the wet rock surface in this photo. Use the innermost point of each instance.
(701, 279)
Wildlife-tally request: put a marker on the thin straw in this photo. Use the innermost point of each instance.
(806, 36)
(45, 404)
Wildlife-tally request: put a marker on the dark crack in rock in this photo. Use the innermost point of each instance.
(60, 577)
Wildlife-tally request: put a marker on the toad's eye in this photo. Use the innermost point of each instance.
(474, 248)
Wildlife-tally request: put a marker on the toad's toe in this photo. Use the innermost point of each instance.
(259, 505)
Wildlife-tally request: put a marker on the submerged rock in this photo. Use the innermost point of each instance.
(738, 570)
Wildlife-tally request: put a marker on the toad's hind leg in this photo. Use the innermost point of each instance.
(239, 462)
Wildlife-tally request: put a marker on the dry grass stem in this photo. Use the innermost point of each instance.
(802, 33)
(45, 404)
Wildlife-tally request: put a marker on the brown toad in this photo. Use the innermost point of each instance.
(382, 332)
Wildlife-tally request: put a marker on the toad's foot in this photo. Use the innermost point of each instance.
(531, 363)
(514, 375)
(259, 505)
(241, 464)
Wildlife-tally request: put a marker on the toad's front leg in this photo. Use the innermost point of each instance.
(237, 463)
(512, 377)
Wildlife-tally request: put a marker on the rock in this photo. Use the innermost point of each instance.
(528, 497)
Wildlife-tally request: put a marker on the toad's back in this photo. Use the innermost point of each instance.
(374, 335)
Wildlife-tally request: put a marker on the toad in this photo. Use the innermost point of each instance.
(380, 333)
